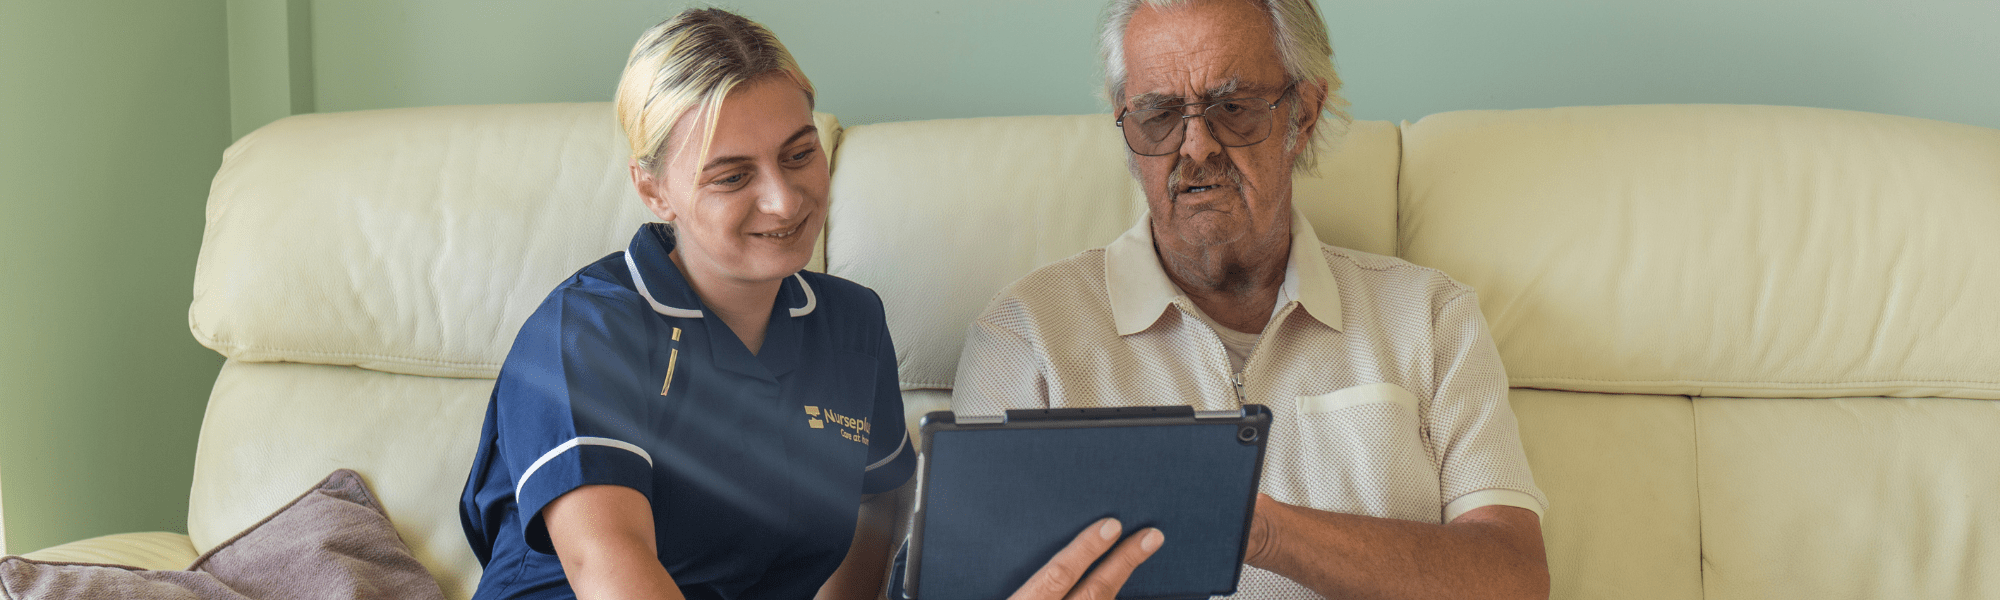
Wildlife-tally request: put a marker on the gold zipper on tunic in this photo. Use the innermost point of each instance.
(673, 356)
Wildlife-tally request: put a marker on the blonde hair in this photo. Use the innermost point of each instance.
(689, 62)
(1303, 46)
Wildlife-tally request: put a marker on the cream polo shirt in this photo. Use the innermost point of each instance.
(1387, 394)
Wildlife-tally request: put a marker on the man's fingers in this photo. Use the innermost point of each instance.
(1060, 574)
(1104, 582)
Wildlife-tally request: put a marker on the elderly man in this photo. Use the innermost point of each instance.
(1395, 468)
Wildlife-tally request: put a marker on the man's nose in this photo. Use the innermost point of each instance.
(1197, 143)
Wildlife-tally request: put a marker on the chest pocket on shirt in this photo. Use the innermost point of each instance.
(1363, 452)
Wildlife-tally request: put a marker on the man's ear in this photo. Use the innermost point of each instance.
(1312, 98)
(648, 185)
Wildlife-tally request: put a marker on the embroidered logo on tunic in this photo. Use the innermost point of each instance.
(851, 429)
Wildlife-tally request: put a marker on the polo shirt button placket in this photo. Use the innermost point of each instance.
(1218, 363)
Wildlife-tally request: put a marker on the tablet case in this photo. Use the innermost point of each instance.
(997, 497)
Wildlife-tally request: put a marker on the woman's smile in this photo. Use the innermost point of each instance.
(781, 234)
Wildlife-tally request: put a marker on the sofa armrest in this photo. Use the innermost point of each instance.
(155, 550)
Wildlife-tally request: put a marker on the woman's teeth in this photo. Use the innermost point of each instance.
(782, 234)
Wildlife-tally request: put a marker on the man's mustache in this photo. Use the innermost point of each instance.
(1187, 170)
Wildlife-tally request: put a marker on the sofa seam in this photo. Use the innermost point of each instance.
(1705, 382)
(1700, 509)
(236, 347)
(1396, 239)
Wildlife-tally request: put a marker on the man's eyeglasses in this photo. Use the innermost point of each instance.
(1233, 122)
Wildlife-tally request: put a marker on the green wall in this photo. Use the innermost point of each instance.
(887, 60)
(113, 117)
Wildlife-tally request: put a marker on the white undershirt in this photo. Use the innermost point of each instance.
(1238, 344)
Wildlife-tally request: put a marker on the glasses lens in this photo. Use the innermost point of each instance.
(1152, 132)
(1239, 122)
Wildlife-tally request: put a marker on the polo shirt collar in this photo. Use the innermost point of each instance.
(1139, 290)
(1309, 275)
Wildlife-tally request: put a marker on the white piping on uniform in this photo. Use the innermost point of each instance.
(811, 301)
(640, 282)
(582, 441)
(892, 455)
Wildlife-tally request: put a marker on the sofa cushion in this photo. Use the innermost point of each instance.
(329, 543)
(333, 542)
(1624, 517)
(937, 216)
(274, 429)
(1718, 250)
(409, 240)
(1849, 498)
(155, 550)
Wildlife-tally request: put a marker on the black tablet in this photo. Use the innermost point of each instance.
(998, 496)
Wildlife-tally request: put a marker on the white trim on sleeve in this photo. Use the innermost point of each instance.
(892, 455)
(1465, 504)
(582, 441)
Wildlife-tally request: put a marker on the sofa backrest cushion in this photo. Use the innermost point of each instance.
(1718, 250)
(937, 216)
(410, 241)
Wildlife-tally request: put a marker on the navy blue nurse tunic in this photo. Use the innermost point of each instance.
(754, 463)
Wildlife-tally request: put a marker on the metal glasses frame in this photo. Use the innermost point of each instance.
(1180, 130)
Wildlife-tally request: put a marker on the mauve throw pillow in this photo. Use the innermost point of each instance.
(333, 542)
(24, 579)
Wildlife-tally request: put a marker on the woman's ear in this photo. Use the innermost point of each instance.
(652, 191)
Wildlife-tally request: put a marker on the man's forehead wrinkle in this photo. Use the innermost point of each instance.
(1188, 72)
(1193, 52)
(1160, 99)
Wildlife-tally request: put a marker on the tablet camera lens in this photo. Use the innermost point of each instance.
(1246, 435)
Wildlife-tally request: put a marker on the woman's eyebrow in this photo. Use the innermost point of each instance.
(802, 132)
(728, 160)
(725, 160)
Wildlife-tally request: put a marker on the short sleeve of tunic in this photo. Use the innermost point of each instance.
(571, 407)
(891, 459)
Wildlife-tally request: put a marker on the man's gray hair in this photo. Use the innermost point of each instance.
(1302, 44)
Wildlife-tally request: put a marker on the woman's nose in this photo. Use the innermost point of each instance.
(782, 197)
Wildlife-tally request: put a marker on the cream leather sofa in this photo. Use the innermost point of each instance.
(1756, 349)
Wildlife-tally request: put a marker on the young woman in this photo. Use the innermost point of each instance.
(696, 416)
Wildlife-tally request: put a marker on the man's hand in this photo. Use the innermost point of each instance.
(1059, 579)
